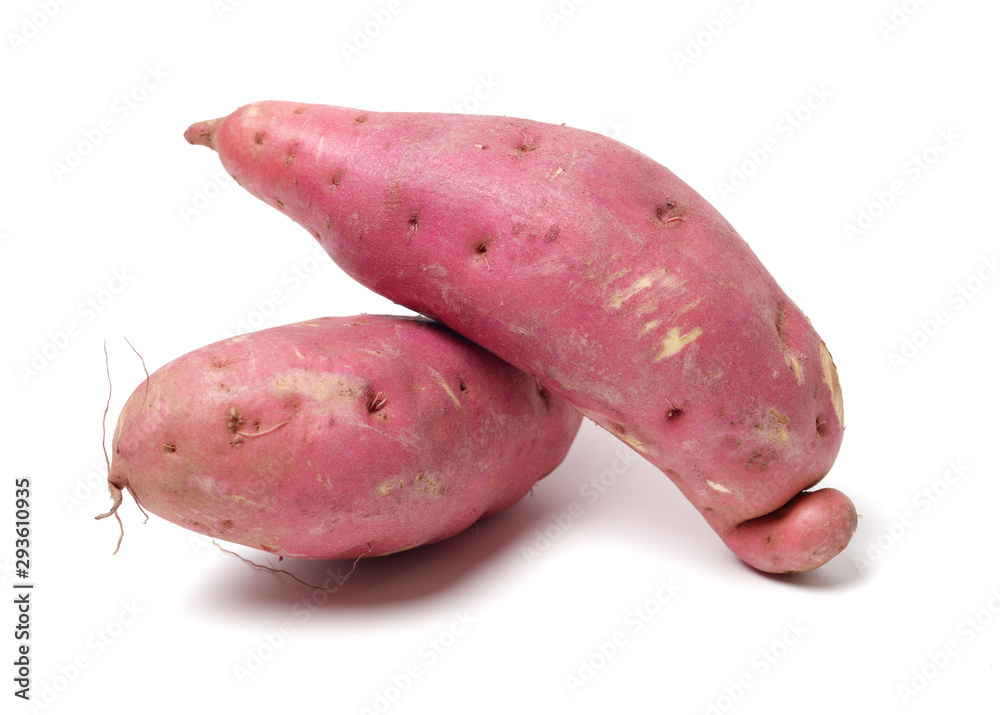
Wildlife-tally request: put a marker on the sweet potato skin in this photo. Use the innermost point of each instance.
(591, 266)
(337, 437)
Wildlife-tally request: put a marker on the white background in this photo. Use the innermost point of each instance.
(810, 113)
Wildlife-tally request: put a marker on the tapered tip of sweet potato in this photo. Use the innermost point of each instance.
(802, 535)
(202, 133)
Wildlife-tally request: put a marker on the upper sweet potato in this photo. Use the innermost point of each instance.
(591, 266)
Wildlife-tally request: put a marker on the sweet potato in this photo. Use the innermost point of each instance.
(337, 437)
(594, 268)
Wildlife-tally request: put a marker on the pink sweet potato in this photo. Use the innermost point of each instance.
(594, 268)
(337, 437)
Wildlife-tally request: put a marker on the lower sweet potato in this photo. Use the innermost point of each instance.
(337, 437)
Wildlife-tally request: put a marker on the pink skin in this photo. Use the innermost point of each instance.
(592, 267)
(337, 437)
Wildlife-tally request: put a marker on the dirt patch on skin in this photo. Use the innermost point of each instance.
(791, 359)
(322, 387)
(421, 484)
(775, 426)
(675, 342)
(832, 381)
